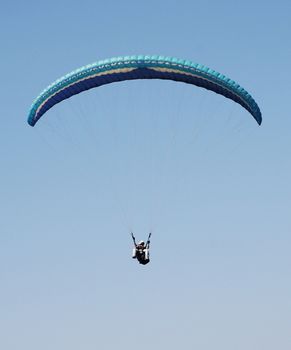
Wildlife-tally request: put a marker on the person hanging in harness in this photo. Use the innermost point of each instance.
(141, 251)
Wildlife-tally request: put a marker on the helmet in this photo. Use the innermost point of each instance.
(141, 243)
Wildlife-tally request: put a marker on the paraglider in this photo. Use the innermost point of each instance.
(140, 67)
(141, 251)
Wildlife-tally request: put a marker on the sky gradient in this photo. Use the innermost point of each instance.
(189, 165)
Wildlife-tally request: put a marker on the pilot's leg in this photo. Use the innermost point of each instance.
(134, 253)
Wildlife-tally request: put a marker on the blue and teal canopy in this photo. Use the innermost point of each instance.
(140, 67)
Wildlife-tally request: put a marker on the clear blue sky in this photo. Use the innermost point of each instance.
(146, 155)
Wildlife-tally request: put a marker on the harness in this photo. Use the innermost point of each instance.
(142, 252)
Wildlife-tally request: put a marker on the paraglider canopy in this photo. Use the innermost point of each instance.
(140, 67)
